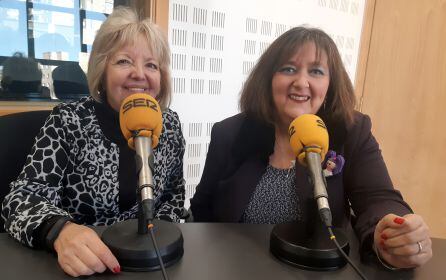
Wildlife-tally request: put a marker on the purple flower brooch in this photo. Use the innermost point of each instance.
(332, 164)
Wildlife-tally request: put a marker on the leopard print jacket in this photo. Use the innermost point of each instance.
(72, 170)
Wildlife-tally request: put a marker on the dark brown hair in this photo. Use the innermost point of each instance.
(256, 96)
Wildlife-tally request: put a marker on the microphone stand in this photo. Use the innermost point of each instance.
(309, 245)
(129, 240)
(309, 249)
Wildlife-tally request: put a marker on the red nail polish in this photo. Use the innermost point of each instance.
(399, 220)
(117, 270)
(384, 236)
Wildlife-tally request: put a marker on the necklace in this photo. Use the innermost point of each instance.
(283, 156)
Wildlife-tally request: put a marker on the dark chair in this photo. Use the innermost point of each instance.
(69, 82)
(21, 78)
(17, 132)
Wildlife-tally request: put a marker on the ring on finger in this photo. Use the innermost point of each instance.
(420, 247)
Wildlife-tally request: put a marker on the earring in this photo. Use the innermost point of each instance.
(325, 103)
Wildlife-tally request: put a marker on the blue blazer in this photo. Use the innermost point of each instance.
(238, 156)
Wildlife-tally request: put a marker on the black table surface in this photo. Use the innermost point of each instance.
(214, 252)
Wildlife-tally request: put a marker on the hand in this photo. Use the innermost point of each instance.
(80, 251)
(403, 242)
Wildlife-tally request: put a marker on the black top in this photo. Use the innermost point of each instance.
(109, 122)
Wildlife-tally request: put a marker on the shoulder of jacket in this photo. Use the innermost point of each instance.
(82, 107)
(361, 122)
(231, 124)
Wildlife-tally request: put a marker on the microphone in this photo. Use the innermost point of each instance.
(309, 142)
(140, 120)
(304, 243)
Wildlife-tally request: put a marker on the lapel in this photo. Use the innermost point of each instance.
(236, 190)
(254, 142)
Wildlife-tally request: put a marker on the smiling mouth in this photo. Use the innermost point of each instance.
(137, 90)
(298, 97)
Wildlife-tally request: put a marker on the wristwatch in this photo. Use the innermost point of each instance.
(53, 233)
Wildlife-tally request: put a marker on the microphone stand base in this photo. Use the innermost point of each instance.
(290, 244)
(135, 252)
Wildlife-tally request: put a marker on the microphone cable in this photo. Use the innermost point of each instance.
(333, 238)
(158, 254)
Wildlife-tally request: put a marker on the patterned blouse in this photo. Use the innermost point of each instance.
(275, 199)
(73, 170)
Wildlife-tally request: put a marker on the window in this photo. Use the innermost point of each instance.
(45, 47)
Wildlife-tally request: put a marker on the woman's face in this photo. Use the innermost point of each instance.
(132, 69)
(300, 85)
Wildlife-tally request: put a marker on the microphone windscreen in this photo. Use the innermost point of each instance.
(308, 133)
(140, 115)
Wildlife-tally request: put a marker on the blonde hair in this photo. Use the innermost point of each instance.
(121, 28)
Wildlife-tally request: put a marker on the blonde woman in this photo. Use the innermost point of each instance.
(80, 171)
